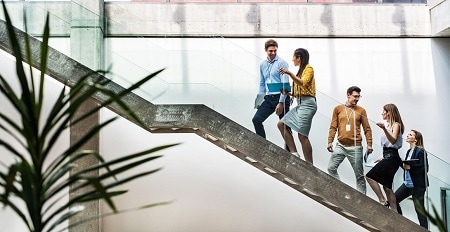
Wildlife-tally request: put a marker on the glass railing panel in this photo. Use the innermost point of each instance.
(15, 12)
(433, 195)
(58, 12)
(217, 84)
(438, 167)
(438, 180)
(34, 12)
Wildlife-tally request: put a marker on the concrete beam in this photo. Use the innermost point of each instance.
(268, 20)
(440, 18)
(246, 19)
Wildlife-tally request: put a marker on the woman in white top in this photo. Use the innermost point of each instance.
(384, 171)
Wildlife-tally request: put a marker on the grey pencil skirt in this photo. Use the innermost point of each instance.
(299, 119)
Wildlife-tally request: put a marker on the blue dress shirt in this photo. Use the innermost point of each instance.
(270, 73)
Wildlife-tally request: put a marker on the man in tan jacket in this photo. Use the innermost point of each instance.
(346, 121)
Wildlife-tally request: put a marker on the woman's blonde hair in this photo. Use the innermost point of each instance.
(419, 138)
(394, 116)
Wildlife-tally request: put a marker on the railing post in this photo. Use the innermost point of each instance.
(444, 206)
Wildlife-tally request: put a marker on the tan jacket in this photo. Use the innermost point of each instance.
(342, 116)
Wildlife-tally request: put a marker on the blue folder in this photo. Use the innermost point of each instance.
(277, 87)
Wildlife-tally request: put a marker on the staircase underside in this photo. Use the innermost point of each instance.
(238, 141)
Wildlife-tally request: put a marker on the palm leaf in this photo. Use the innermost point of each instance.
(11, 149)
(435, 220)
(64, 217)
(116, 213)
(10, 180)
(41, 190)
(10, 95)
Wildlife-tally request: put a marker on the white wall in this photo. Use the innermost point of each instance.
(9, 222)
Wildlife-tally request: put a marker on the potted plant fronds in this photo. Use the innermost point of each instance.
(32, 184)
(435, 220)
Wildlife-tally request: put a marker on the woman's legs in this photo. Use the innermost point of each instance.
(418, 194)
(306, 147)
(401, 194)
(376, 188)
(287, 135)
(390, 195)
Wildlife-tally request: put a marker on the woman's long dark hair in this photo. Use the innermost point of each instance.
(304, 59)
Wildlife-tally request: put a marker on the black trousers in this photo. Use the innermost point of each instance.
(417, 193)
(266, 109)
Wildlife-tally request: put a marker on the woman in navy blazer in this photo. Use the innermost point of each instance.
(415, 174)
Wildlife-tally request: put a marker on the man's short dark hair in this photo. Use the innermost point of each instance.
(352, 89)
(270, 43)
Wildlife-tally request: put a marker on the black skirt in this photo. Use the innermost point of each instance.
(384, 171)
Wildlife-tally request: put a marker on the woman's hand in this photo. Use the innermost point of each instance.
(284, 71)
(284, 92)
(406, 166)
(381, 125)
(378, 160)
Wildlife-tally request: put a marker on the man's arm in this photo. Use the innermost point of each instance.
(262, 80)
(283, 78)
(333, 129)
(367, 130)
(280, 107)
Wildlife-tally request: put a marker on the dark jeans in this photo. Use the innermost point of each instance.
(266, 109)
(417, 193)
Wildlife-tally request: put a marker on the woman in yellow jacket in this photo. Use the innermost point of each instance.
(299, 119)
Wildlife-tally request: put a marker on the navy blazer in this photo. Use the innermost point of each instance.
(418, 171)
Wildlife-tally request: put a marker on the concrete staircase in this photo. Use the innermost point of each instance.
(238, 141)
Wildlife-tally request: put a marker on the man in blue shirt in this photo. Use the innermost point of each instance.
(273, 101)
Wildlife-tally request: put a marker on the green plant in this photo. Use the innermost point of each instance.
(32, 185)
(435, 220)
